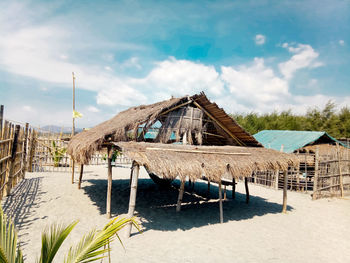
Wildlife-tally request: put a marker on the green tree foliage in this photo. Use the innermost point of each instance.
(329, 119)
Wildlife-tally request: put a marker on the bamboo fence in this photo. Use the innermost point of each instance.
(14, 145)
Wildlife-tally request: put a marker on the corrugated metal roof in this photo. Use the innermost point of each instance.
(291, 140)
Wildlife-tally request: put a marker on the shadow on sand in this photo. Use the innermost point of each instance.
(156, 206)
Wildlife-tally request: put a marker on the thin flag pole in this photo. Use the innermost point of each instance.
(73, 124)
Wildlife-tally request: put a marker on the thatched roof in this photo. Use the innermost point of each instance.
(84, 144)
(215, 162)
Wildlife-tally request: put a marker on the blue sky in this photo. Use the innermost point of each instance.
(247, 56)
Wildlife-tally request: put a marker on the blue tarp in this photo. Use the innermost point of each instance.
(291, 140)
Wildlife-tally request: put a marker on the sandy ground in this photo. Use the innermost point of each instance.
(311, 231)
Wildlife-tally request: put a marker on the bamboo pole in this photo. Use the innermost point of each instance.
(220, 204)
(12, 162)
(340, 172)
(181, 193)
(73, 125)
(285, 184)
(25, 150)
(246, 190)
(132, 201)
(314, 196)
(1, 119)
(233, 188)
(80, 175)
(109, 186)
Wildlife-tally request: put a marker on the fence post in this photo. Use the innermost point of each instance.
(24, 169)
(340, 172)
(1, 119)
(12, 162)
(314, 195)
(31, 151)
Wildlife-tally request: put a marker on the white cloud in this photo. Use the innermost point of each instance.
(27, 108)
(182, 77)
(93, 109)
(304, 57)
(133, 62)
(255, 85)
(260, 39)
(108, 68)
(341, 42)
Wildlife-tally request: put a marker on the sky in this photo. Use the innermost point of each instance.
(247, 56)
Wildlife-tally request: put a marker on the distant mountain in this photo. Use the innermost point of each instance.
(58, 129)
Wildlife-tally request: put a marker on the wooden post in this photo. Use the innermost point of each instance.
(314, 196)
(340, 172)
(1, 119)
(12, 162)
(73, 168)
(31, 150)
(181, 193)
(132, 201)
(80, 175)
(220, 204)
(246, 190)
(233, 188)
(109, 186)
(208, 190)
(225, 195)
(25, 151)
(305, 172)
(285, 183)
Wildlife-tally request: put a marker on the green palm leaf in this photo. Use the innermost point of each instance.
(92, 246)
(52, 239)
(9, 251)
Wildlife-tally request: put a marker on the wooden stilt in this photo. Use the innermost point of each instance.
(181, 193)
(233, 188)
(285, 183)
(220, 204)
(225, 196)
(208, 191)
(81, 175)
(133, 192)
(73, 167)
(109, 186)
(340, 172)
(277, 173)
(246, 190)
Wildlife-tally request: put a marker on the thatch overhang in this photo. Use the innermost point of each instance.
(213, 162)
(83, 145)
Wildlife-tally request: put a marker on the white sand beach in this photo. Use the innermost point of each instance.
(311, 231)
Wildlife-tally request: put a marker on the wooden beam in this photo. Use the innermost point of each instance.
(109, 185)
(133, 192)
(285, 184)
(176, 107)
(181, 193)
(246, 190)
(215, 135)
(195, 151)
(80, 175)
(219, 123)
(220, 204)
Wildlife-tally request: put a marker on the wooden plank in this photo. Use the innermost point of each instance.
(233, 188)
(132, 201)
(25, 157)
(195, 151)
(176, 107)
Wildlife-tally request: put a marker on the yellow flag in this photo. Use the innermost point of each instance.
(77, 114)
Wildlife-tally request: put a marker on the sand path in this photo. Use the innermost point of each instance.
(311, 231)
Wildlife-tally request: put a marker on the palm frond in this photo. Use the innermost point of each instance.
(9, 251)
(92, 246)
(52, 239)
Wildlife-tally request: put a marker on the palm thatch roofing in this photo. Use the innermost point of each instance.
(213, 162)
(83, 145)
